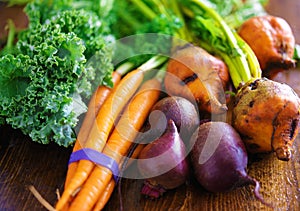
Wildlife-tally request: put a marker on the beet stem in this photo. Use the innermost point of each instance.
(152, 191)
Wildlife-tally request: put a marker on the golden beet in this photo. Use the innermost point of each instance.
(272, 40)
(267, 114)
(198, 76)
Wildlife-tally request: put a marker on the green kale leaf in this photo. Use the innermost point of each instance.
(57, 64)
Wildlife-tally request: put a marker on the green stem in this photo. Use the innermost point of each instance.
(234, 73)
(152, 63)
(11, 34)
(17, 2)
(182, 33)
(160, 5)
(212, 13)
(251, 58)
(145, 9)
(130, 20)
(238, 56)
(160, 75)
(124, 68)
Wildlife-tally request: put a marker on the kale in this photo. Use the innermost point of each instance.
(55, 66)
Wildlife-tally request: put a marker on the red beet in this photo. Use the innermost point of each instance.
(219, 159)
(180, 110)
(163, 163)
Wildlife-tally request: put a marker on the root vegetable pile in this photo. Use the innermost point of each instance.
(200, 58)
(270, 105)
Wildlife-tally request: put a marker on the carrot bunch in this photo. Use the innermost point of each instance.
(94, 105)
(111, 133)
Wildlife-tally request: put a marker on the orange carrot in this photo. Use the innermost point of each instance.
(118, 144)
(95, 103)
(103, 125)
(101, 202)
(101, 129)
(103, 199)
(97, 99)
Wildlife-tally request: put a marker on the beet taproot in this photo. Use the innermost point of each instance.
(219, 159)
(266, 114)
(272, 40)
(195, 74)
(163, 163)
(182, 111)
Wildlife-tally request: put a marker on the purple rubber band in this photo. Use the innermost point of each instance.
(96, 157)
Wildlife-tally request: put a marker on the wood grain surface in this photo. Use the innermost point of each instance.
(24, 163)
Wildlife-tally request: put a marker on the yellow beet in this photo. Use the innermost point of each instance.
(272, 40)
(266, 114)
(195, 74)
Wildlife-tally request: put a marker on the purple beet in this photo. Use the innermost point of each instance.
(219, 159)
(163, 163)
(180, 110)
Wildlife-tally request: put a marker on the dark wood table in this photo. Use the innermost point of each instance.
(24, 163)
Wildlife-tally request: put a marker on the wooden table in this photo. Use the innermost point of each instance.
(24, 163)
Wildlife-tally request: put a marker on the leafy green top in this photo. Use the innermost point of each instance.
(54, 66)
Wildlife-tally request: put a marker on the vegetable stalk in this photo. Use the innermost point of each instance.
(168, 9)
(241, 60)
(143, 7)
(242, 63)
(10, 38)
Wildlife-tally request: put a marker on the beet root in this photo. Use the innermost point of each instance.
(272, 40)
(163, 163)
(183, 112)
(195, 74)
(219, 159)
(266, 114)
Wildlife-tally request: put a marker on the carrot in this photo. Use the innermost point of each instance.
(103, 199)
(119, 143)
(137, 150)
(101, 129)
(104, 123)
(95, 103)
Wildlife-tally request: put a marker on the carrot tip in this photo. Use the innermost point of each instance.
(38, 196)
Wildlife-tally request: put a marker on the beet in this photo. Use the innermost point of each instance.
(195, 74)
(163, 163)
(219, 159)
(266, 114)
(182, 111)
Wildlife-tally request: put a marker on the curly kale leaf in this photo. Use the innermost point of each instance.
(40, 99)
(56, 66)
